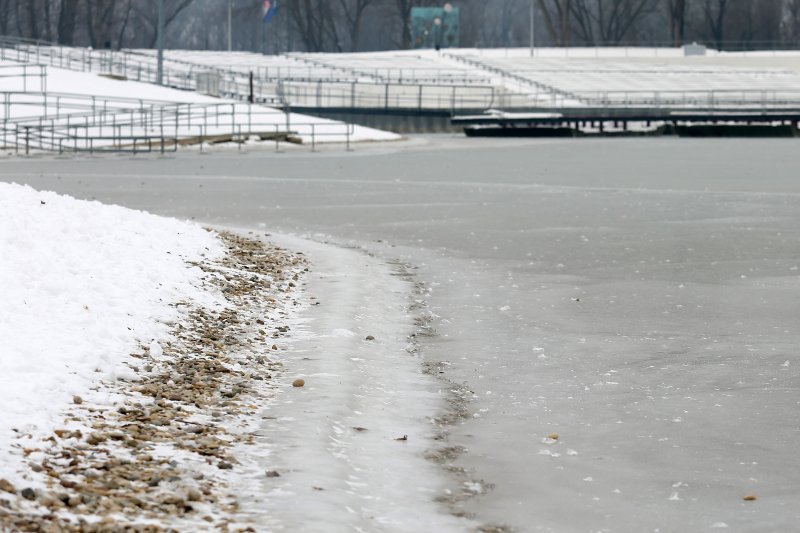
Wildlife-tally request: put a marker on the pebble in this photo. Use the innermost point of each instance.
(369, 338)
(28, 493)
(298, 382)
(6, 486)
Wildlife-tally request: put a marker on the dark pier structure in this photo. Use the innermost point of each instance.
(607, 121)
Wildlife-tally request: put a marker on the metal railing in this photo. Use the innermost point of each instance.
(23, 77)
(525, 82)
(127, 64)
(387, 95)
(128, 125)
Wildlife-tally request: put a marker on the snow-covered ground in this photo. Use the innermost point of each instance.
(136, 109)
(83, 285)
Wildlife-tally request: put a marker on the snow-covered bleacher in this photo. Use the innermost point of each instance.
(659, 76)
(264, 67)
(451, 79)
(413, 67)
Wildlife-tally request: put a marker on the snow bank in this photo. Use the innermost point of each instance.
(82, 285)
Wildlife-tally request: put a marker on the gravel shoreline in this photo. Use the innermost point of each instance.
(161, 454)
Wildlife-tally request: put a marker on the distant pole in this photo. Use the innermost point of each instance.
(230, 3)
(289, 36)
(160, 39)
(533, 19)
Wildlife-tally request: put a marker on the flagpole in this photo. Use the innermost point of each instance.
(533, 14)
(230, 2)
(160, 44)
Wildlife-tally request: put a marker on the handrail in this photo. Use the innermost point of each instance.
(125, 130)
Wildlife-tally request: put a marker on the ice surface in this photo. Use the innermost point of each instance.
(621, 263)
(334, 441)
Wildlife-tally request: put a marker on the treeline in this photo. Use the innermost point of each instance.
(361, 25)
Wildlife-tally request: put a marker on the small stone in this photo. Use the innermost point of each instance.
(298, 382)
(6, 486)
(96, 438)
(194, 495)
(224, 466)
(404, 437)
(750, 497)
(369, 338)
(172, 499)
(28, 493)
(553, 436)
(273, 473)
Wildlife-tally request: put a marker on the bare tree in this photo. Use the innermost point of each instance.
(617, 18)
(353, 15)
(714, 12)
(790, 21)
(67, 16)
(147, 15)
(316, 25)
(557, 18)
(404, 13)
(676, 11)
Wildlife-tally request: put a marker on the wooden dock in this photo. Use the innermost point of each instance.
(579, 122)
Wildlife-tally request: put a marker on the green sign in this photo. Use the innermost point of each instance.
(434, 27)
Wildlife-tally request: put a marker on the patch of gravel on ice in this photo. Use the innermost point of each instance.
(158, 454)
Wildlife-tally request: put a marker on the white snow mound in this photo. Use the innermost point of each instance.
(82, 285)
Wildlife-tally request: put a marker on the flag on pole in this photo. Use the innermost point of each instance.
(270, 10)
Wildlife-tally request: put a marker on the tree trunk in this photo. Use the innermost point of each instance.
(677, 21)
(66, 21)
(33, 19)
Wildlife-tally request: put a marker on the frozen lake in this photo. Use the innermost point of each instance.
(638, 297)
